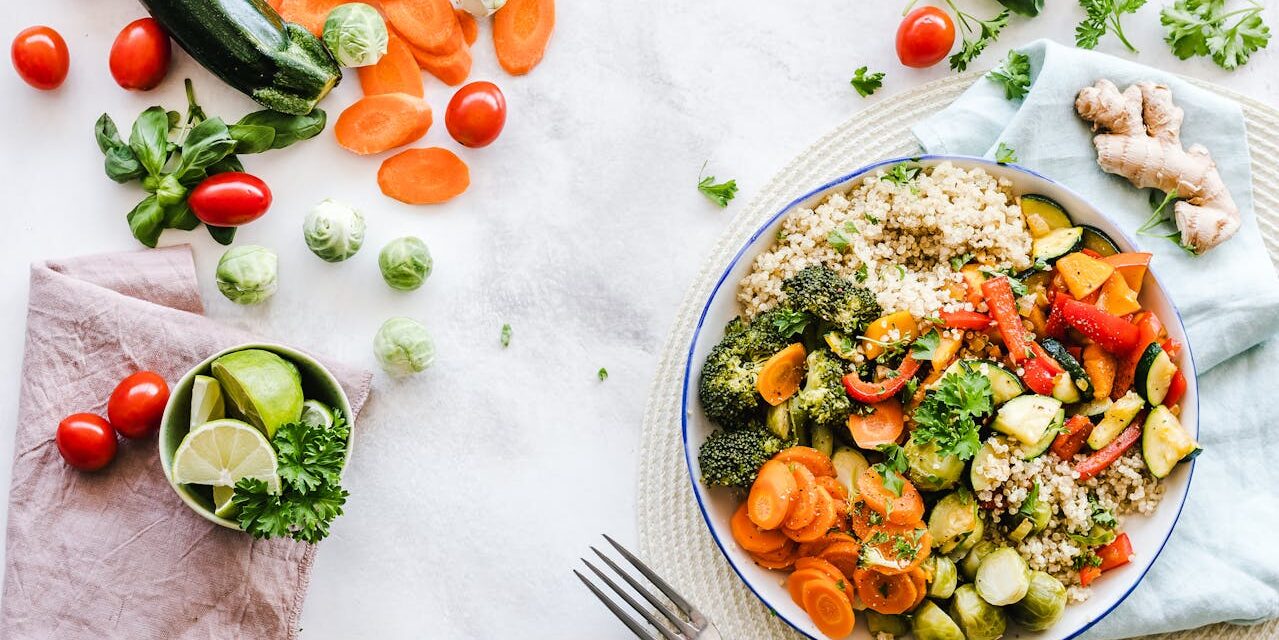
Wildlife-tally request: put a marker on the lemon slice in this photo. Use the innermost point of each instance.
(316, 415)
(222, 505)
(207, 402)
(222, 452)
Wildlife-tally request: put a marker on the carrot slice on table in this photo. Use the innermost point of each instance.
(452, 68)
(311, 14)
(821, 565)
(843, 555)
(908, 508)
(882, 425)
(885, 594)
(796, 580)
(823, 520)
(396, 72)
(521, 30)
(816, 461)
(772, 495)
(466, 21)
(781, 374)
(750, 537)
(429, 25)
(423, 176)
(816, 547)
(783, 558)
(893, 548)
(830, 607)
(804, 509)
(382, 122)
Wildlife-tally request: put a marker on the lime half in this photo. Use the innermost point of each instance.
(222, 505)
(207, 402)
(222, 452)
(261, 388)
(317, 415)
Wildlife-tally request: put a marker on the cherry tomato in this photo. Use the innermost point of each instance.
(86, 442)
(137, 404)
(230, 199)
(924, 37)
(476, 114)
(40, 56)
(140, 55)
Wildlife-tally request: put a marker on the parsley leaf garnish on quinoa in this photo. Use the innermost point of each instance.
(901, 173)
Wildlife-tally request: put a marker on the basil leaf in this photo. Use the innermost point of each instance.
(122, 166)
(170, 191)
(229, 163)
(206, 144)
(222, 235)
(175, 120)
(180, 216)
(1024, 7)
(106, 134)
(288, 128)
(252, 138)
(146, 221)
(150, 138)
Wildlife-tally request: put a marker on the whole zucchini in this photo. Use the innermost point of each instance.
(246, 44)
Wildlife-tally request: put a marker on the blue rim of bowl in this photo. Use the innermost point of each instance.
(688, 364)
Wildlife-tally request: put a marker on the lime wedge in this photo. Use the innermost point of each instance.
(206, 401)
(317, 415)
(222, 505)
(261, 388)
(222, 452)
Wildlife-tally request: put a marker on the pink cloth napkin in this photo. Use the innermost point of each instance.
(115, 553)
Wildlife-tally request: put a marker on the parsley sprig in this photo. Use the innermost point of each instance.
(1162, 212)
(310, 466)
(902, 173)
(866, 83)
(1102, 16)
(892, 468)
(1205, 28)
(1005, 154)
(949, 415)
(720, 193)
(976, 34)
(789, 322)
(1013, 74)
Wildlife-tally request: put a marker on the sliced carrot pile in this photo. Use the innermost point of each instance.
(825, 567)
(382, 122)
(470, 30)
(882, 593)
(452, 68)
(830, 606)
(908, 508)
(795, 582)
(772, 494)
(804, 509)
(816, 461)
(816, 547)
(843, 555)
(781, 374)
(423, 176)
(429, 25)
(783, 558)
(521, 31)
(921, 585)
(275, 4)
(395, 72)
(753, 539)
(823, 520)
(311, 14)
(882, 425)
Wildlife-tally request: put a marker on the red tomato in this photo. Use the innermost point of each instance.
(137, 404)
(140, 55)
(476, 114)
(230, 199)
(40, 56)
(86, 442)
(924, 37)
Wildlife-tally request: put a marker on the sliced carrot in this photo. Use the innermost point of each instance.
(781, 374)
(423, 176)
(843, 555)
(395, 72)
(521, 31)
(751, 538)
(816, 547)
(772, 494)
(896, 548)
(804, 509)
(837, 491)
(829, 569)
(783, 558)
(823, 520)
(275, 4)
(816, 461)
(451, 66)
(796, 580)
(885, 594)
(311, 14)
(470, 29)
(429, 25)
(921, 585)
(382, 122)
(864, 519)
(830, 607)
(882, 425)
(908, 508)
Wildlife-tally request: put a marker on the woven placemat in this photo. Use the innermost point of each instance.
(672, 535)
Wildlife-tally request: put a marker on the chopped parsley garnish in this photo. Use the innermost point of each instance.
(720, 193)
(1206, 28)
(1101, 516)
(958, 262)
(1014, 75)
(1031, 502)
(789, 322)
(861, 274)
(871, 219)
(506, 335)
(901, 272)
(866, 83)
(1087, 559)
(904, 549)
(839, 239)
(1103, 16)
(1161, 212)
(901, 173)
(891, 468)
(1005, 154)
(602, 374)
(926, 345)
(948, 415)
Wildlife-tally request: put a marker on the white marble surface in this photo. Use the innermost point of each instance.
(477, 485)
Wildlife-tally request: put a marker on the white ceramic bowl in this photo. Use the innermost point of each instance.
(1148, 534)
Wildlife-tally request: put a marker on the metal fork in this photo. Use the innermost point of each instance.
(692, 625)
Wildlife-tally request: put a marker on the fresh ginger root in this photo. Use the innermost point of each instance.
(1139, 139)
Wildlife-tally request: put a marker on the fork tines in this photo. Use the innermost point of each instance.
(683, 621)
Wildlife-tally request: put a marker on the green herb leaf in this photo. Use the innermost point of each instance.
(1028, 505)
(180, 216)
(1102, 16)
(506, 336)
(1206, 28)
(891, 468)
(1014, 75)
(222, 235)
(975, 41)
(720, 193)
(206, 144)
(288, 129)
(789, 322)
(901, 173)
(1005, 154)
(310, 464)
(251, 138)
(867, 83)
(926, 345)
(862, 273)
(1024, 7)
(950, 415)
(169, 191)
(146, 221)
(150, 140)
(602, 374)
(958, 262)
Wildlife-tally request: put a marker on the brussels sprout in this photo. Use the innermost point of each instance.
(972, 561)
(333, 231)
(969, 542)
(403, 346)
(248, 274)
(878, 622)
(481, 8)
(355, 34)
(1044, 604)
(849, 465)
(405, 263)
(954, 519)
(943, 576)
(929, 469)
(929, 622)
(1002, 577)
(978, 619)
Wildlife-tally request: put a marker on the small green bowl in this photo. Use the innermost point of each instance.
(317, 384)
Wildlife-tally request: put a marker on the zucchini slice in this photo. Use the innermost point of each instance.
(1051, 216)
(1004, 386)
(1064, 389)
(1030, 452)
(1056, 244)
(1095, 407)
(1116, 419)
(986, 457)
(1155, 371)
(1098, 241)
(1164, 442)
(1027, 418)
(1078, 377)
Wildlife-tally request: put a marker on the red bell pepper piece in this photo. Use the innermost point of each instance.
(1097, 462)
(1067, 445)
(1003, 306)
(873, 392)
(1114, 334)
(1176, 390)
(964, 320)
(1149, 328)
(1088, 574)
(1038, 375)
(1115, 554)
(1055, 327)
(1090, 253)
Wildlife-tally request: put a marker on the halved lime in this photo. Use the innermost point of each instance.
(222, 452)
(207, 402)
(317, 415)
(261, 388)
(222, 505)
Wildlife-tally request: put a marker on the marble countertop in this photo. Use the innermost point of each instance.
(478, 484)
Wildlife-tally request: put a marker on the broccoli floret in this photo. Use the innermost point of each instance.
(825, 294)
(727, 385)
(733, 458)
(822, 401)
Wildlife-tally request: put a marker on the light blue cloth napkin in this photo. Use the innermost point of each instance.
(1222, 562)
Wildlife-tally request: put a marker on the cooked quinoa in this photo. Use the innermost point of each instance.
(900, 239)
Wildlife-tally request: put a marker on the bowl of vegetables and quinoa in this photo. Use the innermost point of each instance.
(940, 398)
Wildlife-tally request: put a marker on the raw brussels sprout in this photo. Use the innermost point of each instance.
(943, 576)
(972, 561)
(248, 274)
(954, 519)
(405, 263)
(481, 8)
(929, 622)
(403, 346)
(355, 34)
(1002, 577)
(878, 622)
(333, 231)
(1044, 604)
(929, 469)
(978, 619)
